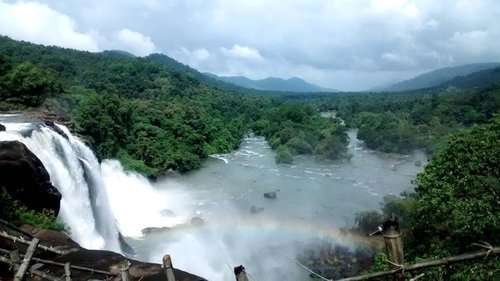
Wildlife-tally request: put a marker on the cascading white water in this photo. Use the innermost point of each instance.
(136, 204)
(69, 163)
(99, 201)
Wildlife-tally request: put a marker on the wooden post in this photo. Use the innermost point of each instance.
(168, 268)
(394, 244)
(67, 271)
(240, 273)
(26, 260)
(124, 270)
(14, 256)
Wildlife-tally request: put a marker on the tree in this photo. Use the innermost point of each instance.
(30, 85)
(457, 195)
(283, 155)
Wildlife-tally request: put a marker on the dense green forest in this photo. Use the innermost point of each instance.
(455, 204)
(402, 122)
(151, 114)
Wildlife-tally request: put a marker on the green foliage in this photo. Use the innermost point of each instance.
(25, 84)
(402, 122)
(155, 136)
(386, 132)
(44, 219)
(283, 155)
(457, 194)
(454, 205)
(367, 222)
(299, 129)
(380, 263)
(403, 207)
(155, 114)
(11, 210)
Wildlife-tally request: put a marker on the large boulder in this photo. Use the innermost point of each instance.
(24, 178)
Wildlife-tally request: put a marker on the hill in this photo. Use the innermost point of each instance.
(480, 79)
(438, 77)
(240, 87)
(293, 84)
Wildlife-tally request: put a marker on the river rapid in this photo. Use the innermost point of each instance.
(241, 226)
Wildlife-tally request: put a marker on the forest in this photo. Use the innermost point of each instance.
(402, 122)
(154, 118)
(455, 204)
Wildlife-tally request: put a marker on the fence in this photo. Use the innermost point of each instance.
(390, 231)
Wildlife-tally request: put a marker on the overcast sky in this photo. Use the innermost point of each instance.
(347, 45)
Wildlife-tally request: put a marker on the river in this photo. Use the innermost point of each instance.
(241, 226)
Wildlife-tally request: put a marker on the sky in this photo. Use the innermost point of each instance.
(340, 44)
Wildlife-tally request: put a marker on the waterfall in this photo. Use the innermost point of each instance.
(75, 172)
(99, 200)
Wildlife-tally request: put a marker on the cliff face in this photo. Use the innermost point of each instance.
(24, 178)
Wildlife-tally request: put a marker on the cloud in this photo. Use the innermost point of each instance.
(343, 44)
(39, 23)
(242, 52)
(473, 42)
(201, 54)
(134, 42)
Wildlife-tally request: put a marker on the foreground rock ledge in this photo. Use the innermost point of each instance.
(97, 259)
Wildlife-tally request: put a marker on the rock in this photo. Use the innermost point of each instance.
(55, 238)
(151, 230)
(24, 178)
(197, 221)
(271, 195)
(56, 129)
(167, 213)
(418, 163)
(2, 128)
(125, 247)
(255, 209)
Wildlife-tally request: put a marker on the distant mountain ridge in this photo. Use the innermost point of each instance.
(293, 84)
(438, 77)
(480, 79)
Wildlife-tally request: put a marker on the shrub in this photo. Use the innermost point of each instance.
(283, 155)
(45, 219)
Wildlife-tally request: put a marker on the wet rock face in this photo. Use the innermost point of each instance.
(151, 230)
(271, 195)
(24, 178)
(56, 129)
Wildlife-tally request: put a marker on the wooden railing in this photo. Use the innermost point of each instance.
(391, 234)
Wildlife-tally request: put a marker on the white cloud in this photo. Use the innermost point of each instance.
(322, 40)
(38, 23)
(201, 54)
(242, 52)
(472, 42)
(134, 42)
(403, 7)
(398, 60)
